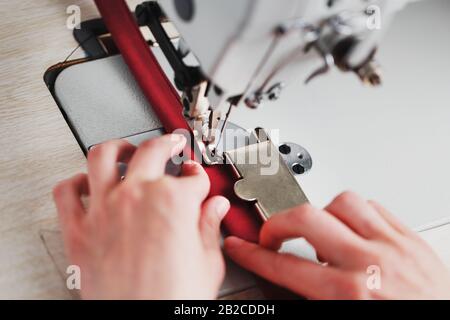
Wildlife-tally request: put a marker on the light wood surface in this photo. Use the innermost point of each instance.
(37, 149)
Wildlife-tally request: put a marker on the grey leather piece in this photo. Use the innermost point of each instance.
(102, 101)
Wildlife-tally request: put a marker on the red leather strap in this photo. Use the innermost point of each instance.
(242, 220)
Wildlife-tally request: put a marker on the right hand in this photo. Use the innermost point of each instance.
(352, 236)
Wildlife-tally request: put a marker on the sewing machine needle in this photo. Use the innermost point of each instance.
(227, 115)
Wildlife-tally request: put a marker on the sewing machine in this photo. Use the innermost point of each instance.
(272, 44)
(222, 55)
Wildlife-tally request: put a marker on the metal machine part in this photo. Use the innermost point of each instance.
(265, 177)
(297, 158)
(206, 123)
(125, 113)
(270, 44)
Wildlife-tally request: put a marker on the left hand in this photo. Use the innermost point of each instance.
(151, 236)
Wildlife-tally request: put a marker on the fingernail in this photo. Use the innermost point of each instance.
(180, 142)
(190, 162)
(222, 207)
(233, 242)
(178, 137)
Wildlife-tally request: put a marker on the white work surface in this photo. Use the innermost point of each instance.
(390, 144)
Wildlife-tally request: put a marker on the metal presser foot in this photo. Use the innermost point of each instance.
(267, 172)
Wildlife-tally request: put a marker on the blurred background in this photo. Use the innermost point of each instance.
(390, 143)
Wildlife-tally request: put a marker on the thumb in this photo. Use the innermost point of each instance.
(213, 211)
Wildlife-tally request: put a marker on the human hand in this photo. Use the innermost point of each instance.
(150, 236)
(354, 237)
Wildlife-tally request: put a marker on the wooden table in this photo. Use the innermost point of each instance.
(38, 149)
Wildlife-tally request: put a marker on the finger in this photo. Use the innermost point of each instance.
(301, 276)
(103, 170)
(357, 214)
(213, 211)
(391, 219)
(67, 196)
(149, 160)
(194, 180)
(332, 240)
(320, 258)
